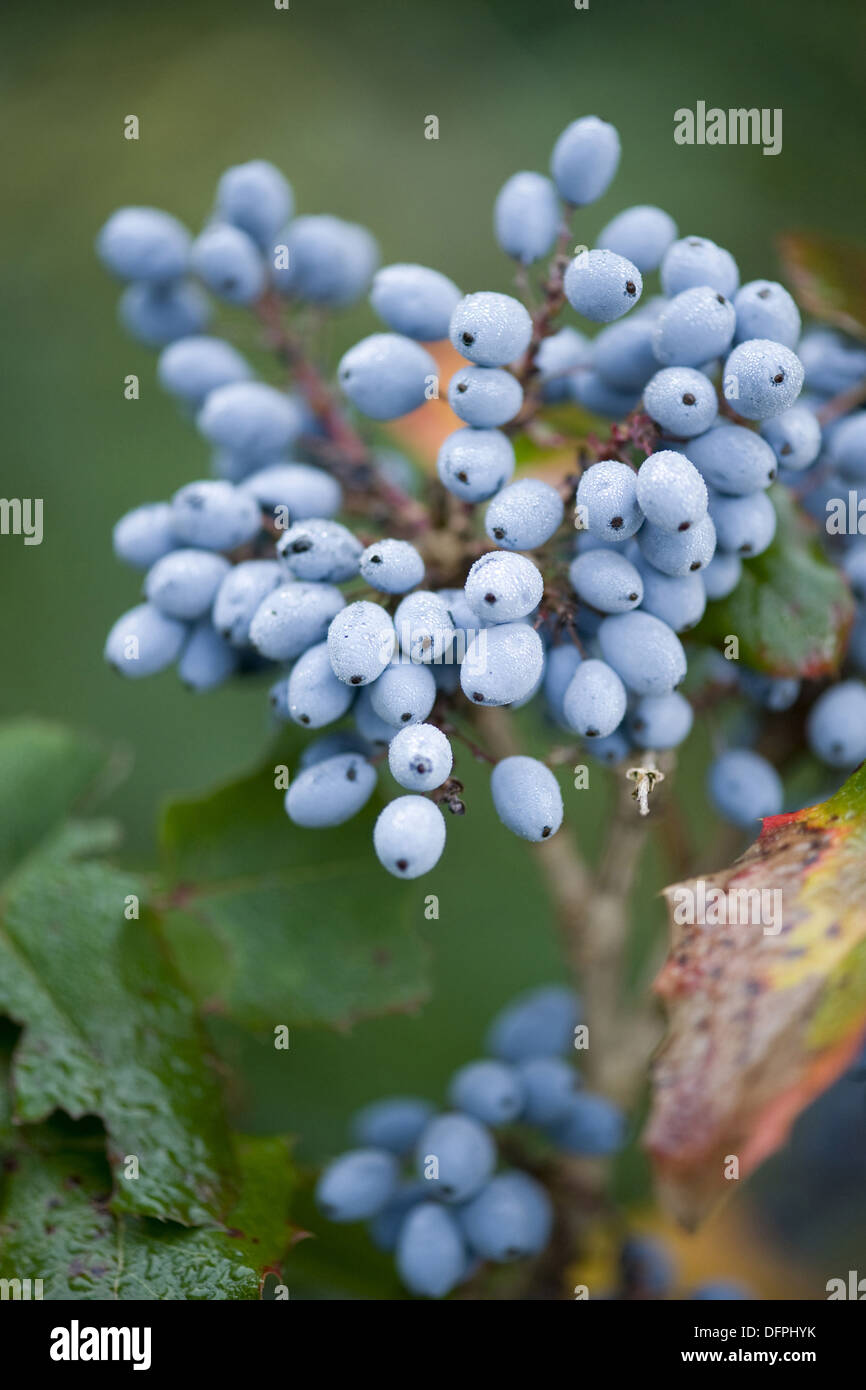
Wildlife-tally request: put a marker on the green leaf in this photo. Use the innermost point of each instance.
(107, 1027)
(828, 277)
(59, 1227)
(791, 610)
(274, 924)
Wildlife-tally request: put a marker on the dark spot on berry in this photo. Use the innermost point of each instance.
(402, 865)
(630, 287)
(299, 546)
(695, 565)
(421, 767)
(498, 532)
(467, 338)
(592, 733)
(404, 718)
(786, 449)
(375, 559)
(763, 294)
(476, 695)
(638, 724)
(305, 719)
(746, 549)
(229, 282)
(447, 1190)
(772, 473)
(356, 680)
(684, 526)
(633, 597)
(351, 773)
(720, 298)
(489, 598)
(545, 832)
(688, 398)
(616, 523)
(779, 378)
(461, 387)
(462, 477)
(696, 241)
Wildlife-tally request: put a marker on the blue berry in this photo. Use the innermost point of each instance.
(144, 244)
(329, 261)
(680, 552)
(854, 565)
(320, 550)
(557, 358)
(848, 446)
(642, 234)
(394, 1124)
(794, 436)
(831, 362)
(585, 159)
(511, 1218)
(144, 535)
(463, 1149)
(695, 261)
(331, 746)
(207, 660)
(524, 515)
(144, 641)
(607, 497)
(485, 396)
(539, 1023)
(214, 516)
(229, 263)
(431, 1256)
(722, 1291)
(646, 654)
(836, 727)
(424, 627)
(744, 787)
(560, 666)
(623, 354)
(502, 664)
(745, 525)
(548, 1086)
(392, 566)
(160, 314)
(527, 798)
(489, 1091)
(762, 378)
(596, 395)
(257, 198)
(404, 694)
(595, 701)
(330, 792)
(671, 492)
(386, 375)
(502, 587)
(490, 330)
(415, 301)
(361, 641)
(409, 836)
(183, 584)
(775, 693)
(315, 697)
(303, 491)
(646, 1268)
(695, 327)
(373, 730)
(250, 419)
(766, 310)
(420, 756)
(661, 721)
(733, 459)
(193, 367)
(611, 750)
(239, 595)
(682, 401)
(722, 575)
(606, 580)
(592, 1126)
(292, 618)
(526, 216)
(602, 286)
(357, 1185)
(474, 464)
(679, 600)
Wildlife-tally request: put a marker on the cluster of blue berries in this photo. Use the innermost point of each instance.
(428, 1183)
(247, 569)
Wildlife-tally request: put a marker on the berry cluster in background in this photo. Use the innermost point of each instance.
(480, 593)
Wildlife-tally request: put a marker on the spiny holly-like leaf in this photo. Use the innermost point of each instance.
(791, 609)
(828, 277)
(59, 1226)
(107, 1027)
(761, 1020)
(275, 924)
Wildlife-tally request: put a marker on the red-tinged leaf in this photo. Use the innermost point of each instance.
(760, 1021)
(828, 277)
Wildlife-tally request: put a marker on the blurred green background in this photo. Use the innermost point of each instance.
(336, 94)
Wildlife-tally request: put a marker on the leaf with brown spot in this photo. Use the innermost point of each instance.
(759, 1023)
